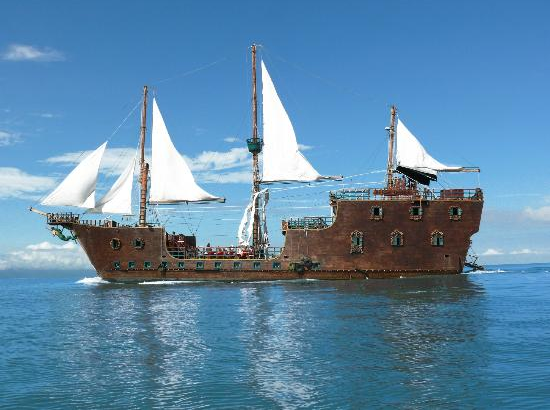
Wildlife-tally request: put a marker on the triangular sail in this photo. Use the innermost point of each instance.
(412, 156)
(78, 188)
(119, 198)
(282, 160)
(171, 177)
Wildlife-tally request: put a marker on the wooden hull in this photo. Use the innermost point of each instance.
(328, 249)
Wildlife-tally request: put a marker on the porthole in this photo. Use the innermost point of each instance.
(115, 244)
(217, 265)
(276, 265)
(237, 265)
(147, 265)
(181, 265)
(138, 243)
(257, 265)
(116, 265)
(200, 265)
(131, 265)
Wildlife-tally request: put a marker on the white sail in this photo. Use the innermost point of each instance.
(282, 160)
(171, 178)
(78, 188)
(411, 154)
(244, 234)
(119, 198)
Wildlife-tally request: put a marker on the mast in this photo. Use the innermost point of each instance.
(391, 144)
(255, 147)
(144, 167)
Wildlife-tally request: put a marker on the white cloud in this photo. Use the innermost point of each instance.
(236, 177)
(231, 139)
(46, 255)
(8, 138)
(526, 251)
(304, 147)
(538, 214)
(15, 183)
(23, 52)
(217, 161)
(114, 160)
(45, 115)
(492, 252)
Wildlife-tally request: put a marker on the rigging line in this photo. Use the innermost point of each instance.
(314, 75)
(186, 73)
(124, 120)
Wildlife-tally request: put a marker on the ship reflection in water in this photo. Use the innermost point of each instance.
(292, 344)
(448, 341)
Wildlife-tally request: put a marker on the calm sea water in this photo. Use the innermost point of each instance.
(469, 341)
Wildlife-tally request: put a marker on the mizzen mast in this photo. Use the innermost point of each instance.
(144, 167)
(255, 147)
(391, 145)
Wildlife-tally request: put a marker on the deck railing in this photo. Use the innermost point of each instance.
(224, 252)
(308, 222)
(388, 194)
(61, 218)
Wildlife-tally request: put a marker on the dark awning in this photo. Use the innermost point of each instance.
(422, 177)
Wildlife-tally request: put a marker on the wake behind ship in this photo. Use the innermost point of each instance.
(402, 229)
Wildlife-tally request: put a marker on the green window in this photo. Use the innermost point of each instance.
(131, 265)
(181, 265)
(147, 265)
(116, 265)
(164, 265)
(397, 238)
(437, 238)
(316, 266)
(237, 265)
(257, 265)
(217, 265)
(200, 265)
(138, 243)
(276, 265)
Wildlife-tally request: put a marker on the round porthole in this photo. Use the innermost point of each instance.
(115, 243)
(138, 243)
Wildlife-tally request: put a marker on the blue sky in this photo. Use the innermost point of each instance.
(470, 79)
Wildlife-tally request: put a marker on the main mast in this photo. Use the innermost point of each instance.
(144, 167)
(391, 144)
(255, 147)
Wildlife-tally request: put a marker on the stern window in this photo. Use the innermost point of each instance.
(376, 213)
(397, 238)
(415, 213)
(437, 238)
(455, 213)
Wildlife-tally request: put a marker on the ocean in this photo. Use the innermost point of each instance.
(466, 341)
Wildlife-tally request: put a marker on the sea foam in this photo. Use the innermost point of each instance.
(96, 280)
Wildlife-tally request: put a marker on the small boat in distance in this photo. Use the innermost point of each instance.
(402, 229)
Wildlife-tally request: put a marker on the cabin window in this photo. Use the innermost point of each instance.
(115, 243)
(131, 265)
(217, 265)
(116, 265)
(376, 213)
(415, 213)
(437, 238)
(356, 242)
(181, 265)
(237, 265)
(147, 265)
(397, 238)
(138, 243)
(276, 265)
(455, 213)
(164, 265)
(200, 265)
(257, 265)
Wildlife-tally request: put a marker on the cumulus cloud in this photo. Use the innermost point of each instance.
(231, 139)
(24, 52)
(525, 251)
(46, 255)
(8, 138)
(538, 214)
(492, 252)
(208, 166)
(15, 183)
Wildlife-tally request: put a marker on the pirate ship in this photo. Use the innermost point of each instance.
(403, 229)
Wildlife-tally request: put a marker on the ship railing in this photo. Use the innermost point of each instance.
(102, 223)
(389, 194)
(62, 218)
(224, 252)
(308, 222)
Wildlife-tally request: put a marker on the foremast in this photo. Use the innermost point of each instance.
(144, 167)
